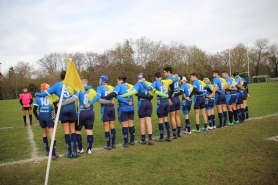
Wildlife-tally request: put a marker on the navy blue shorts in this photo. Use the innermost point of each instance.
(86, 117)
(107, 113)
(199, 102)
(145, 108)
(162, 110)
(240, 98)
(68, 117)
(125, 116)
(185, 110)
(220, 99)
(46, 123)
(232, 99)
(176, 104)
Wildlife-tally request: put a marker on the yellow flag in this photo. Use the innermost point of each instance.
(72, 77)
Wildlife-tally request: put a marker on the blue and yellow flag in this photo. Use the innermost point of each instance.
(72, 77)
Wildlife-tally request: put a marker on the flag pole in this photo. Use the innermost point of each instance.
(53, 135)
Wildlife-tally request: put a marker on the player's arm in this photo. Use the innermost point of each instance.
(171, 92)
(35, 111)
(96, 98)
(103, 101)
(146, 86)
(20, 101)
(130, 93)
(179, 93)
(121, 99)
(193, 92)
(31, 101)
(69, 100)
(144, 96)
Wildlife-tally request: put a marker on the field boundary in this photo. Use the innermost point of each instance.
(35, 158)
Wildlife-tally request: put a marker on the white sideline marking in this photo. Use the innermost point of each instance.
(36, 159)
(274, 138)
(5, 128)
(33, 143)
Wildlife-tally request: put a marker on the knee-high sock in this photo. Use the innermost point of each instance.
(68, 143)
(213, 120)
(54, 150)
(230, 116)
(45, 142)
(210, 121)
(113, 136)
(246, 112)
(30, 119)
(125, 134)
(220, 118)
(167, 126)
(235, 115)
(24, 119)
(187, 122)
(132, 133)
(161, 130)
(107, 138)
(73, 140)
(225, 117)
(79, 141)
(90, 140)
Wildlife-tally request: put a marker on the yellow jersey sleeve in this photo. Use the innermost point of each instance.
(92, 94)
(167, 83)
(148, 84)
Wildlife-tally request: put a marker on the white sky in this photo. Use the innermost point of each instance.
(30, 29)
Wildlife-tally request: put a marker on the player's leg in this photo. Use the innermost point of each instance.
(159, 113)
(24, 116)
(186, 129)
(166, 111)
(50, 126)
(197, 120)
(90, 136)
(203, 111)
(113, 133)
(107, 135)
(66, 129)
(148, 119)
(44, 136)
(30, 115)
(142, 129)
(178, 121)
(131, 127)
(123, 118)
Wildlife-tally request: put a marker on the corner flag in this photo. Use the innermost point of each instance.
(72, 78)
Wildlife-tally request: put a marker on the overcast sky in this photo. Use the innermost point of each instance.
(30, 29)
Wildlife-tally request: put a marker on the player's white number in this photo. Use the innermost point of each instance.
(176, 85)
(106, 93)
(163, 89)
(44, 101)
(86, 99)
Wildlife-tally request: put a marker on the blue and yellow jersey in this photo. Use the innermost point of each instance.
(88, 97)
(57, 90)
(45, 106)
(200, 86)
(104, 89)
(210, 86)
(217, 82)
(187, 89)
(175, 79)
(122, 89)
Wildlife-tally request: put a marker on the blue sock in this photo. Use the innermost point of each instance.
(230, 116)
(107, 138)
(150, 137)
(239, 113)
(220, 119)
(225, 117)
(246, 112)
(53, 150)
(73, 139)
(187, 122)
(45, 142)
(197, 126)
(90, 140)
(68, 143)
(132, 133)
(210, 121)
(213, 120)
(179, 130)
(161, 130)
(205, 125)
(125, 134)
(143, 137)
(174, 132)
(79, 141)
(113, 136)
(243, 114)
(167, 126)
(235, 115)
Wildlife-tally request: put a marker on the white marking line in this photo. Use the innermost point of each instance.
(35, 158)
(274, 138)
(33, 143)
(5, 128)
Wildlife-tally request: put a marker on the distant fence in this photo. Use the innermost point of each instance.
(274, 79)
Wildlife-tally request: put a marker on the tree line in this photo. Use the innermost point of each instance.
(142, 55)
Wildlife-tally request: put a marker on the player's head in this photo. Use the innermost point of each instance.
(141, 76)
(206, 80)
(63, 74)
(183, 79)
(193, 76)
(121, 79)
(44, 86)
(25, 89)
(157, 76)
(103, 79)
(225, 74)
(167, 71)
(84, 81)
(235, 74)
(216, 73)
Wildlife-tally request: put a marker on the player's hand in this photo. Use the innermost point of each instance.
(112, 101)
(248, 95)
(187, 98)
(209, 96)
(170, 102)
(130, 103)
(87, 105)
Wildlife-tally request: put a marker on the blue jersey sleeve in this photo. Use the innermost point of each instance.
(96, 98)
(146, 86)
(117, 89)
(121, 99)
(137, 87)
